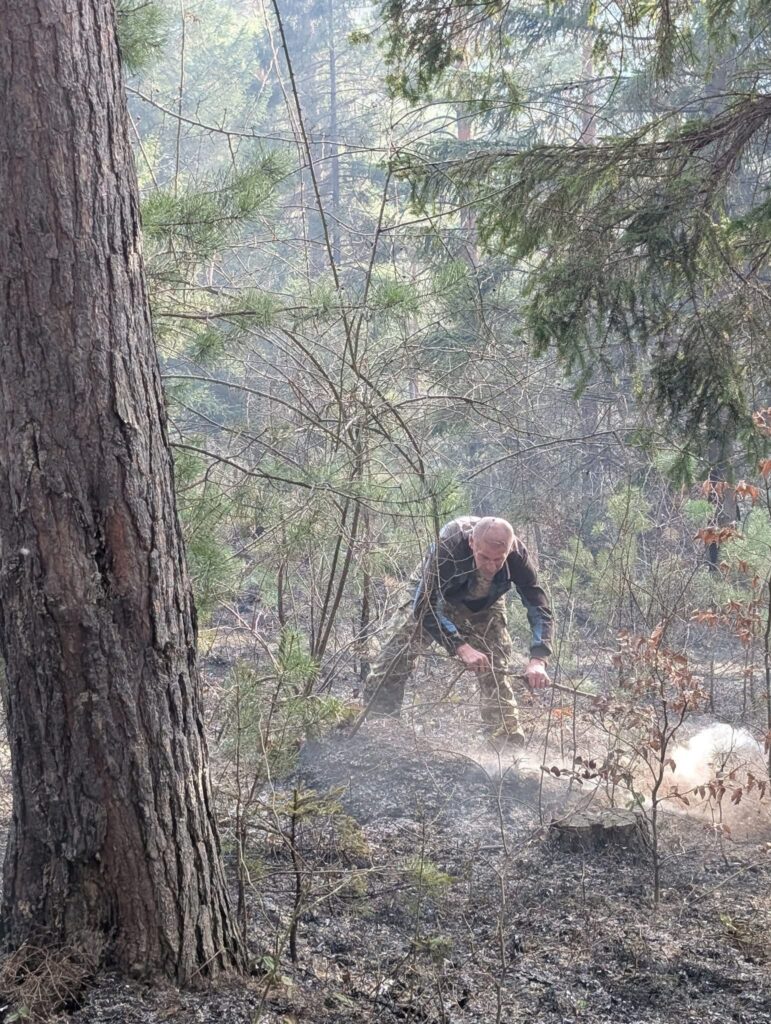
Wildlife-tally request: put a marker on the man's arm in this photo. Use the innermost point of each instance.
(429, 607)
(525, 578)
(428, 603)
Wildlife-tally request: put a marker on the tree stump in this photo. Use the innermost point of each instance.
(608, 828)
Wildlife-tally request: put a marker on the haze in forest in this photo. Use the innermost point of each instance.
(338, 275)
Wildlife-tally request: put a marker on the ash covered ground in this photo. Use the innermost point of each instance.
(417, 867)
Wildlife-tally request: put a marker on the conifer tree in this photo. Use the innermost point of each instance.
(646, 246)
(113, 846)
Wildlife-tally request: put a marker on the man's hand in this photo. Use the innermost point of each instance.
(536, 675)
(473, 659)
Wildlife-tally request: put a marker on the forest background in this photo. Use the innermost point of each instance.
(407, 264)
(382, 300)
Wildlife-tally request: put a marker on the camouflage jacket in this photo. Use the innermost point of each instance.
(448, 574)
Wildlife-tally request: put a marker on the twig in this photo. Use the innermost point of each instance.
(368, 706)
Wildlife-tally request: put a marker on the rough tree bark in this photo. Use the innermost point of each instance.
(609, 827)
(113, 841)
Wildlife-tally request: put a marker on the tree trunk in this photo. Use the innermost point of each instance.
(113, 842)
(334, 164)
(588, 135)
(591, 832)
(468, 216)
(722, 497)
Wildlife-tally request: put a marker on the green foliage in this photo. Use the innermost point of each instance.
(208, 343)
(305, 805)
(598, 571)
(391, 296)
(753, 546)
(678, 465)
(437, 947)
(195, 224)
(611, 254)
(634, 245)
(426, 41)
(142, 31)
(214, 570)
(451, 276)
(228, 324)
(267, 716)
(295, 664)
(208, 511)
(321, 303)
(629, 511)
(19, 1014)
(578, 567)
(619, 236)
(697, 512)
(188, 468)
(426, 876)
(441, 493)
(261, 309)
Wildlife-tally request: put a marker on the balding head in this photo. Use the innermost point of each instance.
(494, 531)
(491, 542)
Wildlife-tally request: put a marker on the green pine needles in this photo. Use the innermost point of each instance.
(142, 29)
(642, 239)
(199, 221)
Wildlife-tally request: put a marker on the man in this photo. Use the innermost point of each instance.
(459, 603)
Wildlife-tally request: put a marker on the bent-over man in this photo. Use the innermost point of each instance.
(459, 603)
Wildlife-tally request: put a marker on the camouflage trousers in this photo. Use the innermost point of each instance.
(486, 631)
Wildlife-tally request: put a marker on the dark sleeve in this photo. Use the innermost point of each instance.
(525, 579)
(428, 603)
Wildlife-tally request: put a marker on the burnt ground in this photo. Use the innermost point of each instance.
(407, 874)
(426, 889)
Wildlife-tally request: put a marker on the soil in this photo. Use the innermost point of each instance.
(417, 866)
(434, 894)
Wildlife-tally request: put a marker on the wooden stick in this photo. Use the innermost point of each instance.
(552, 686)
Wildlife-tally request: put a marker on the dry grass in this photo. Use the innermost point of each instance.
(38, 982)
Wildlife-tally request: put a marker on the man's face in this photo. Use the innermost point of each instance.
(489, 554)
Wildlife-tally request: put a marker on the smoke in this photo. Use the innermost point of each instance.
(712, 753)
(715, 748)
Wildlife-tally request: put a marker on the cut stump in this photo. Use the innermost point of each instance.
(609, 828)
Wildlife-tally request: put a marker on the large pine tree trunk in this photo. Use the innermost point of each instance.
(113, 838)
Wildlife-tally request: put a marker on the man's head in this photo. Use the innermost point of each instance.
(491, 542)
